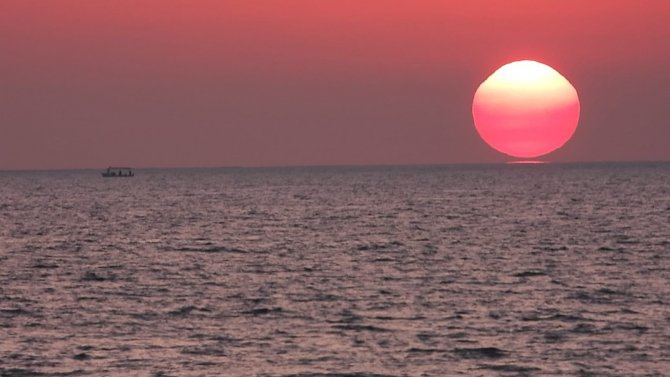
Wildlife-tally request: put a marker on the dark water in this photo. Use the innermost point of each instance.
(542, 270)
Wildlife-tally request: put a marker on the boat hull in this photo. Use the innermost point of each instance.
(105, 175)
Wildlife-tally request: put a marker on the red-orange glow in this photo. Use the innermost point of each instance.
(526, 109)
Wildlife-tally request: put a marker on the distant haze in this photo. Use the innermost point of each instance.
(86, 84)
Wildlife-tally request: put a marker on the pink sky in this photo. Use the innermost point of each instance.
(86, 84)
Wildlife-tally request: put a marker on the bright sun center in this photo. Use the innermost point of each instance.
(526, 109)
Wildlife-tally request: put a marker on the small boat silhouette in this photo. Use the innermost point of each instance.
(118, 172)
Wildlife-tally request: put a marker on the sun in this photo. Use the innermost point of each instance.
(526, 109)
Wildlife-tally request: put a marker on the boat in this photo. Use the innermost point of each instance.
(117, 172)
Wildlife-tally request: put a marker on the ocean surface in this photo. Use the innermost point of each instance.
(499, 270)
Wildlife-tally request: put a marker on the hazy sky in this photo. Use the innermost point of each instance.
(89, 83)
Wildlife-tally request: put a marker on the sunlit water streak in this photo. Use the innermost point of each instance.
(509, 270)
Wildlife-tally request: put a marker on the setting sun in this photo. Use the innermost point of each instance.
(526, 109)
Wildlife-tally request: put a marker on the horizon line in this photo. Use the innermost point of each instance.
(289, 166)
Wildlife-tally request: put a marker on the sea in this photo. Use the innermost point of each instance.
(457, 270)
